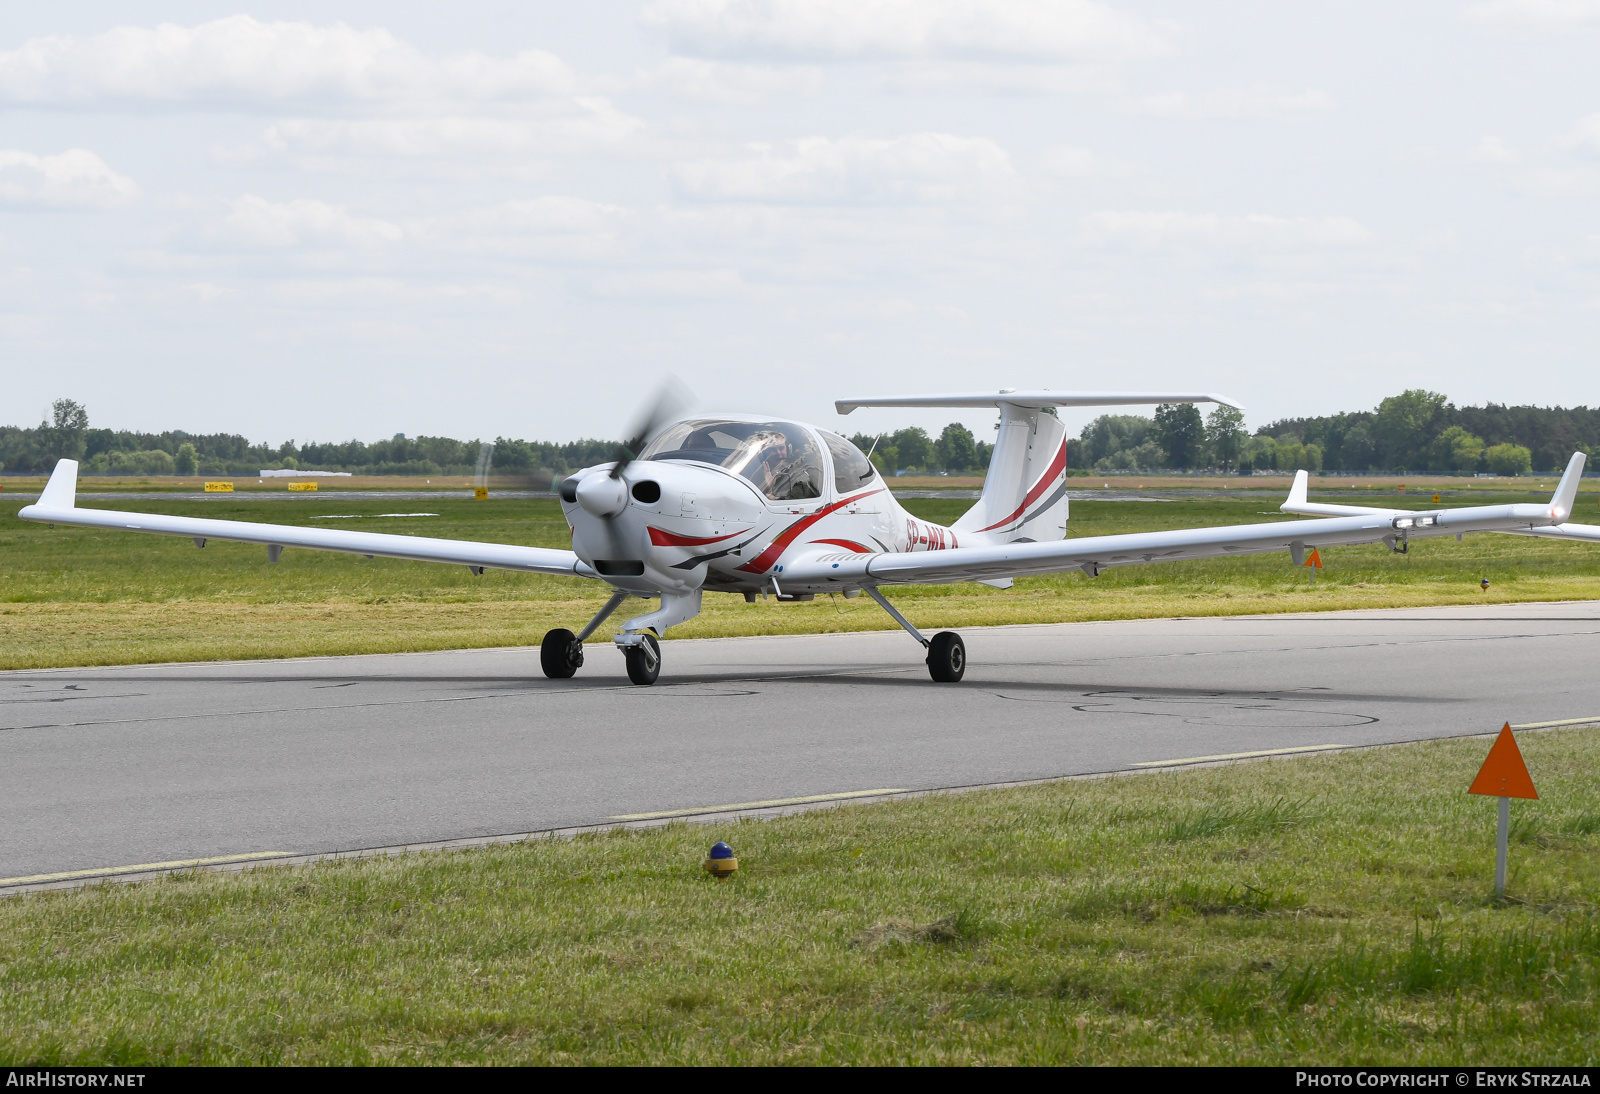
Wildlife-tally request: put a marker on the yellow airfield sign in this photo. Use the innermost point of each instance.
(219, 487)
(302, 486)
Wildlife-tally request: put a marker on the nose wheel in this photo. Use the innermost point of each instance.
(643, 659)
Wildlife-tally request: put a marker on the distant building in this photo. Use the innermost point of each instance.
(291, 473)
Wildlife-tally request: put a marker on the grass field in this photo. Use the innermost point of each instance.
(85, 597)
(1328, 909)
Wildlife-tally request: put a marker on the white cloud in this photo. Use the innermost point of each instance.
(661, 286)
(1239, 104)
(549, 214)
(729, 82)
(1069, 161)
(1587, 134)
(589, 123)
(205, 291)
(1495, 150)
(549, 229)
(1545, 13)
(76, 178)
(239, 59)
(1253, 230)
(1038, 30)
(937, 77)
(916, 167)
(258, 221)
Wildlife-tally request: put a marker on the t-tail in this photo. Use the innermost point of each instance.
(1024, 496)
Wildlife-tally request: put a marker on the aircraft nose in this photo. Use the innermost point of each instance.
(602, 495)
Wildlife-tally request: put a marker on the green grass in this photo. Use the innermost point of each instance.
(1329, 909)
(82, 596)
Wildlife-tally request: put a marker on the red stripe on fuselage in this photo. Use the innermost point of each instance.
(1057, 466)
(661, 538)
(765, 559)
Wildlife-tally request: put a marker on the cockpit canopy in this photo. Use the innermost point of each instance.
(851, 469)
(782, 459)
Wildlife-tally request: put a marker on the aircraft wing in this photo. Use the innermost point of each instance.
(58, 505)
(1297, 503)
(1584, 533)
(1095, 553)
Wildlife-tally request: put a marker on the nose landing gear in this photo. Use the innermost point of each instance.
(643, 659)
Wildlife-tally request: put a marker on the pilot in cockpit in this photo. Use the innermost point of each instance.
(772, 471)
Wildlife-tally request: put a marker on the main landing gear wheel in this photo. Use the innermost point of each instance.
(947, 657)
(560, 654)
(644, 660)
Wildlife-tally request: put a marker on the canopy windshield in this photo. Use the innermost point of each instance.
(782, 459)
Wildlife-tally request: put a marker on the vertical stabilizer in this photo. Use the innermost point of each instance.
(1025, 495)
(61, 492)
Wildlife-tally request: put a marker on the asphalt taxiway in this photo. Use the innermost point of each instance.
(107, 768)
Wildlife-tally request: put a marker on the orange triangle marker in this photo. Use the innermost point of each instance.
(1314, 559)
(1504, 775)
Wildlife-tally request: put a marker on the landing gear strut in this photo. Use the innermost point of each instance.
(637, 640)
(561, 652)
(643, 659)
(947, 653)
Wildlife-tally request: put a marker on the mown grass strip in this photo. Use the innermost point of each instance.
(1236, 756)
(145, 867)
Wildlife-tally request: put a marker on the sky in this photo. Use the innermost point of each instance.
(329, 220)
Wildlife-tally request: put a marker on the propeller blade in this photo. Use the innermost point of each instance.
(669, 403)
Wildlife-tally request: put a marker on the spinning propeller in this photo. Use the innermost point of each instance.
(672, 398)
(604, 496)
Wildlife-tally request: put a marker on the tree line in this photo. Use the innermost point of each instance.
(1416, 430)
(68, 435)
(175, 452)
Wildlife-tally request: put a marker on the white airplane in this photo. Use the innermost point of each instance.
(753, 505)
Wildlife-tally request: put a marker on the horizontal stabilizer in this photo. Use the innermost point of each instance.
(1035, 399)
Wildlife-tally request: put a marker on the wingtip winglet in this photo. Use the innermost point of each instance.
(61, 492)
(1566, 495)
(1297, 491)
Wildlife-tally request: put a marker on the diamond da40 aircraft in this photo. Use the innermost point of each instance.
(752, 505)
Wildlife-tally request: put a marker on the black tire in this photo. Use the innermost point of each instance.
(947, 657)
(644, 660)
(560, 654)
